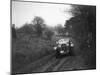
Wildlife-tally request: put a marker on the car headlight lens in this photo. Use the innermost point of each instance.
(72, 45)
(61, 51)
(67, 44)
(55, 48)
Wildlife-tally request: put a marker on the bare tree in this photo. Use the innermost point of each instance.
(39, 25)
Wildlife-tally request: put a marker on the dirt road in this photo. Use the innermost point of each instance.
(51, 64)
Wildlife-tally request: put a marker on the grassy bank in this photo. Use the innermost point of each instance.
(29, 49)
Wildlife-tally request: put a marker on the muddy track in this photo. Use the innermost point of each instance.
(35, 65)
(57, 64)
(52, 64)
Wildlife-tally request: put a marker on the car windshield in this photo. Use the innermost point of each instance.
(62, 41)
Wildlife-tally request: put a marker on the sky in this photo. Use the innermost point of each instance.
(53, 14)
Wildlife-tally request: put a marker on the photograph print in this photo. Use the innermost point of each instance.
(52, 37)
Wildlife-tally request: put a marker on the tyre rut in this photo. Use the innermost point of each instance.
(33, 66)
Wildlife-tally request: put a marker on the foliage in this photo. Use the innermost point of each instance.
(39, 25)
(14, 35)
(83, 23)
(60, 29)
(82, 27)
(27, 29)
(29, 47)
(48, 33)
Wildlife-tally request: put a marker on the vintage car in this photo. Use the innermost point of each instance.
(64, 47)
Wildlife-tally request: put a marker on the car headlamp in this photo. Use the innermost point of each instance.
(61, 51)
(72, 45)
(67, 44)
(55, 48)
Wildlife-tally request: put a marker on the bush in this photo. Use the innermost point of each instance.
(28, 51)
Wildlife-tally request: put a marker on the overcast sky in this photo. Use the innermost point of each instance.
(53, 14)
